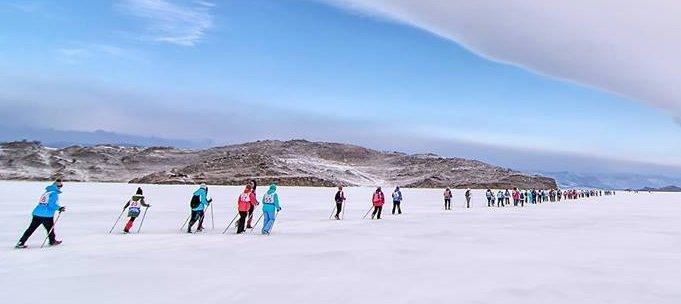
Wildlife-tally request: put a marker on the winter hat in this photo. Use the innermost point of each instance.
(139, 191)
(273, 187)
(203, 186)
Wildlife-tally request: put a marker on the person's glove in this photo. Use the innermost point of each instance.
(149, 205)
(62, 209)
(210, 200)
(278, 209)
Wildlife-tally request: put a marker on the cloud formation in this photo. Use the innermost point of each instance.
(629, 47)
(169, 22)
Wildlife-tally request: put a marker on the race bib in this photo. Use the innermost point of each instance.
(268, 199)
(44, 198)
(246, 198)
(134, 204)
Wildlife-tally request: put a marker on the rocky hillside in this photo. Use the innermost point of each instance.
(297, 162)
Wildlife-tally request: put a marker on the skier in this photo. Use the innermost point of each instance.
(468, 198)
(253, 204)
(340, 198)
(397, 200)
(134, 205)
(448, 199)
(245, 203)
(378, 200)
(516, 196)
(198, 204)
(500, 199)
(43, 214)
(490, 198)
(270, 207)
(507, 197)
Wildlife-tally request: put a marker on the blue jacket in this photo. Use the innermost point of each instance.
(49, 202)
(204, 199)
(397, 198)
(270, 201)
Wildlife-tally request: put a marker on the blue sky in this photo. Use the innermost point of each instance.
(242, 70)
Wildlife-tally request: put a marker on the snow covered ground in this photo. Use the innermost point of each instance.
(621, 249)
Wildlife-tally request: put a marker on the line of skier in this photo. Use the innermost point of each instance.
(48, 204)
(532, 196)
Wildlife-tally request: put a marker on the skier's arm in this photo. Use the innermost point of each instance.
(276, 202)
(53, 203)
(126, 204)
(144, 204)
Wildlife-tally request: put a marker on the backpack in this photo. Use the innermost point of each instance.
(195, 202)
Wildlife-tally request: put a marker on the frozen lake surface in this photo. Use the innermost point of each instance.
(618, 249)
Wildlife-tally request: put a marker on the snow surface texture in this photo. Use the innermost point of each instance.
(621, 249)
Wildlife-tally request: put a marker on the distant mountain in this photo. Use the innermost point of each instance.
(61, 139)
(296, 162)
(611, 180)
(662, 189)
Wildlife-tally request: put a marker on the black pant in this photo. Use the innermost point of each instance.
(250, 215)
(448, 203)
(339, 208)
(468, 202)
(396, 205)
(196, 216)
(47, 222)
(242, 221)
(377, 211)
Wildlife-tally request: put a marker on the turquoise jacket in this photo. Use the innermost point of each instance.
(204, 199)
(270, 201)
(49, 202)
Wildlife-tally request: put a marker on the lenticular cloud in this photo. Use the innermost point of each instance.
(630, 47)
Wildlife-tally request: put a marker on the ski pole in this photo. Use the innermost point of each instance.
(185, 223)
(212, 217)
(332, 211)
(256, 222)
(343, 211)
(116, 223)
(366, 214)
(142, 222)
(230, 223)
(51, 230)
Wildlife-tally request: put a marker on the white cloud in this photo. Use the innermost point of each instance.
(85, 52)
(630, 47)
(169, 22)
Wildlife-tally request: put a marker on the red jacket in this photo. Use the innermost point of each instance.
(378, 199)
(246, 199)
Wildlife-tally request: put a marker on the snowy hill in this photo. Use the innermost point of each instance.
(295, 162)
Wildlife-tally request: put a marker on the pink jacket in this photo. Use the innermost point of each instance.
(378, 199)
(246, 199)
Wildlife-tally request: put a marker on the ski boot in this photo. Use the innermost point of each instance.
(20, 246)
(55, 243)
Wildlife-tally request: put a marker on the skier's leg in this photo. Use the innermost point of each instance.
(194, 218)
(250, 216)
(380, 208)
(128, 225)
(373, 214)
(339, 208)
(270, 216)
(242, 221)
(35, 222)
(394, 206)
(48, 223)
(399, 208)
(201, 215)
